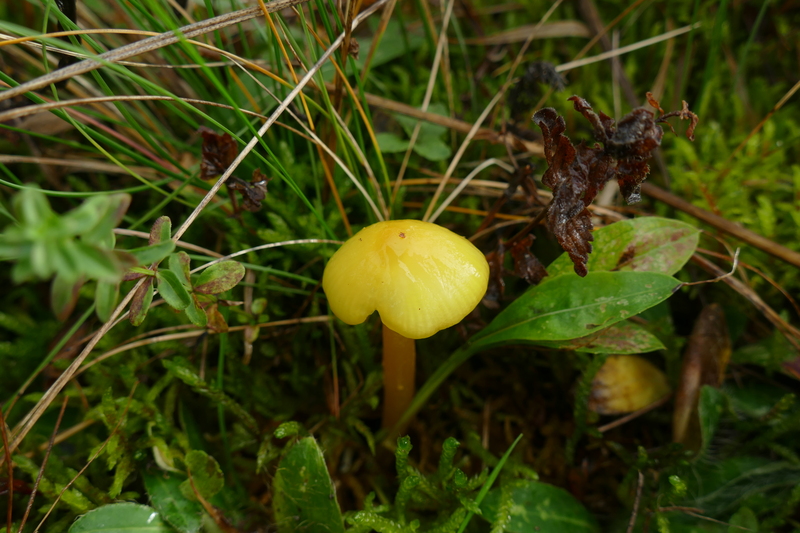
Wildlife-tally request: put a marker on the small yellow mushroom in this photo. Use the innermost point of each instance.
(626, 383)
(420, 277)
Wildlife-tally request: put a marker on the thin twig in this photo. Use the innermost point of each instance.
(49, 448)
(144, 46)
(636, 502)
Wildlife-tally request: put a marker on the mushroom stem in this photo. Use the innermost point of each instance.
(399, 362)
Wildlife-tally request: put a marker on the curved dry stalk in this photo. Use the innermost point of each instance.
(265, 247)
(311, 136)
(91, 459)
(195, 333)
(426, 99)
(629, 48)
(24, 427)
(489, 162)
(146, 45)
(272, 118)
(461, 149)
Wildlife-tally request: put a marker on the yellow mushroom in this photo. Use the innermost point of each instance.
(420, 277)
(626, 383)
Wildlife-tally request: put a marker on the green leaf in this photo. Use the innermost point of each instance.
(432, 149)
(196, 314)
(219, 278)
(112, 208)
(105, 298)
(539, 507)
(179, 264)
(647, 244)
(64, 295)
(623, 338)
(206, 475)
(172, 290)
(147, 255)
(303, 492)
(161, 230)
(390, 143)
(709, 408)
(743, 520)
(570, 307)
(118, 517)
(31, 205)
(164, 490)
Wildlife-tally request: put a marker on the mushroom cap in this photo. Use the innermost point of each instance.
(420, 277)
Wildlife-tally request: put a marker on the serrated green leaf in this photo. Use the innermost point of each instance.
(105, 298)
(206, 475)
(171, 289)
(569, 307)
(118, 517)
(303, 492)
(166, 496)
(219, 278)
(147, 255)
(160, 231)
(540, 507)
(646, 244)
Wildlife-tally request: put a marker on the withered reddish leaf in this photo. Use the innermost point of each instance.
(568, 176)
(577, 173)
(219, 151)
(141, 301)
(497, 285)
(526, 265)
(216, 322)
(253, 193)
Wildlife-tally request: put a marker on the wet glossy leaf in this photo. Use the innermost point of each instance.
(623, 338)
(206, 475)
(180, 512)
(171, 289)
(645, 244)
(128, 517)
(219, 278)
(303, 492)
(569, 307)
(539, 507)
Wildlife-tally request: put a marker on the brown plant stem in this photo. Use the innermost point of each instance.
(399, 363)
